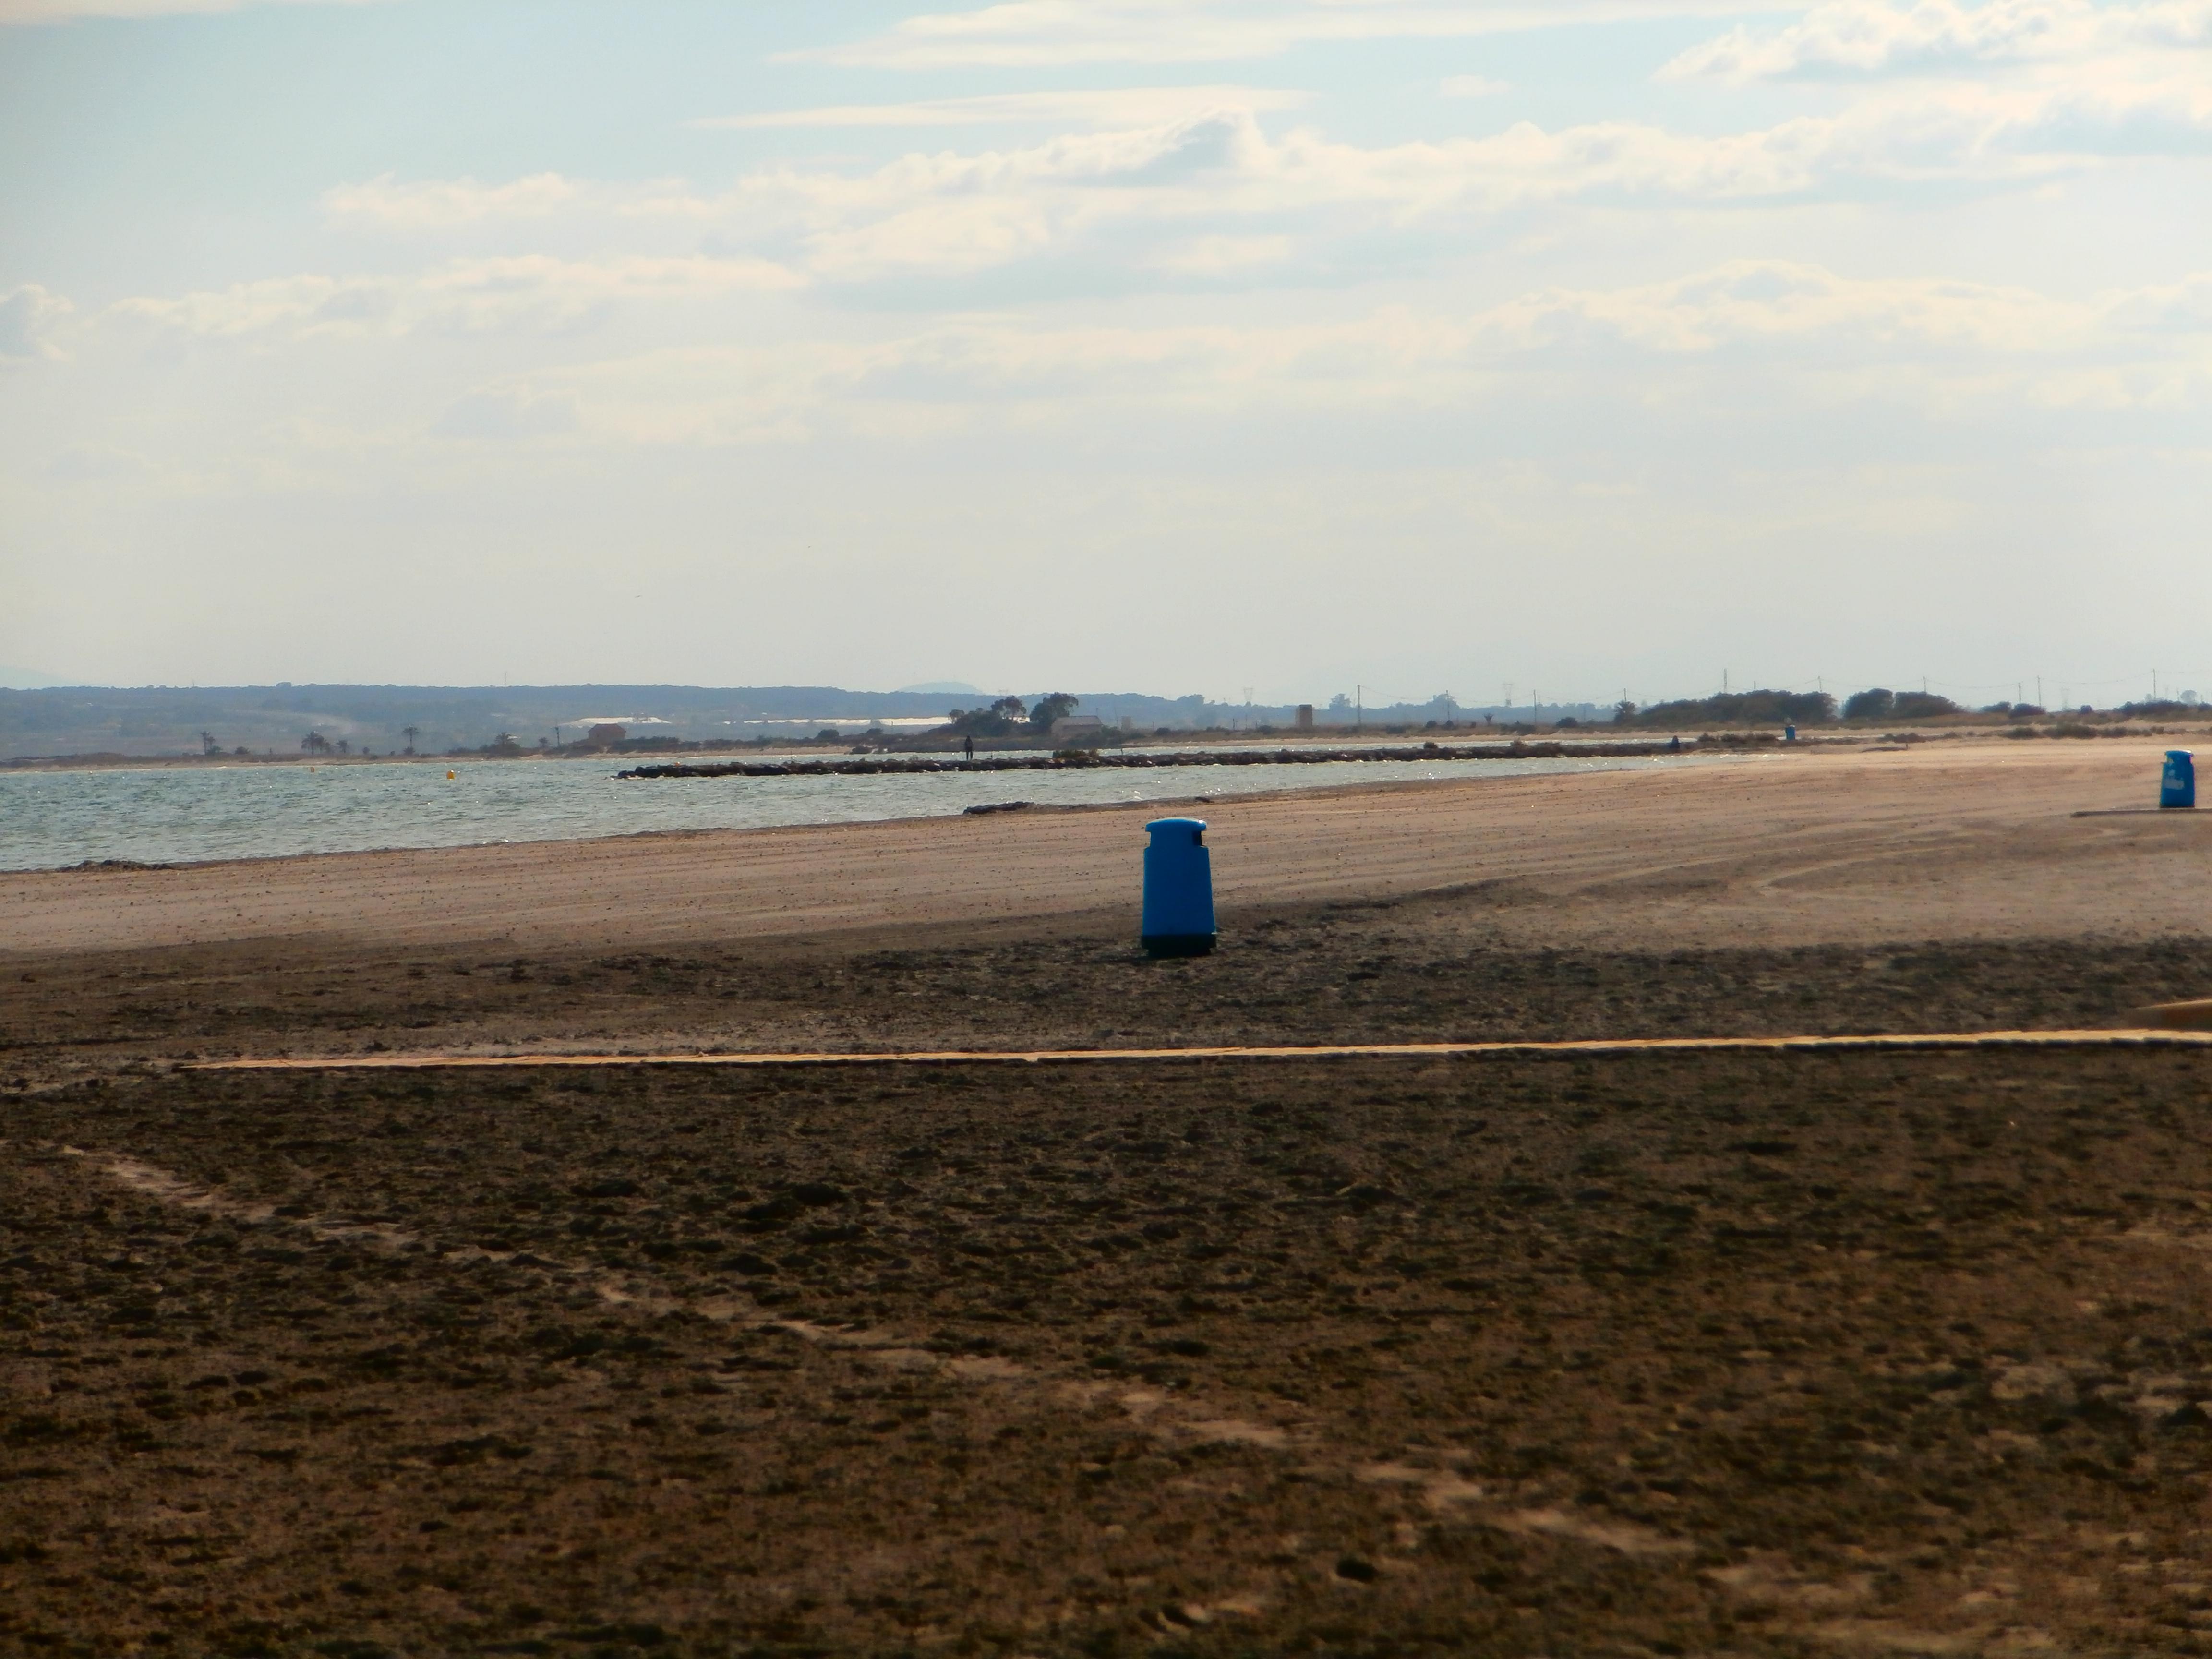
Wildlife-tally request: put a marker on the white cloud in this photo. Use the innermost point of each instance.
(509, 413)
(832, 367)
(383, 204)
(1127, 199)
(530, 291)
(1123, 106)
(2184, 307)
(1746, 333)
(298, 305)
(953, 212)
(1221, 256)
(1036, 32)
(62, 11)
(1876, 37)
(29, 316)
(1774, 303)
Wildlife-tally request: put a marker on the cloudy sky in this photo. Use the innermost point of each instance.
(1180, 345)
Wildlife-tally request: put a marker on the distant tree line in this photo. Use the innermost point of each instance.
(1011, 717)
(1735, 707)
(1880, 703)
(2158, 709)
(1787, 707)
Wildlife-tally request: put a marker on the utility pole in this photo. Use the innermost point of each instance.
(1359, 707)
(2039, 690)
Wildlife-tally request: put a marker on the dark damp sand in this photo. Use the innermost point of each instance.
(1727, 1356)
(1720, 1354)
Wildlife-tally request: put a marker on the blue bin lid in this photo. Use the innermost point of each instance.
(2179, 754)
(1196, 826)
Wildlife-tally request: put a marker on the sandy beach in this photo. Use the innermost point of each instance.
(1744, 1353)
(1939, 841)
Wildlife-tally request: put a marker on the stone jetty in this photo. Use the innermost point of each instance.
(1070, 760)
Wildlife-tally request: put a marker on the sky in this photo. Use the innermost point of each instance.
(1585, 346)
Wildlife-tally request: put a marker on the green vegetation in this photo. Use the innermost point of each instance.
(1733, 709)
(1051, 707)
(1000, 719)
(1010, 717)
(2161, 708)
(1881, 703)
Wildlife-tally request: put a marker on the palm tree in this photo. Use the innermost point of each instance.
(315, 743)
(411, 732)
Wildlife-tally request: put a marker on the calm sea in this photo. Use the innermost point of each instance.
(173, 815)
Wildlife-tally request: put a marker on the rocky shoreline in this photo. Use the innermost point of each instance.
(1075, 759)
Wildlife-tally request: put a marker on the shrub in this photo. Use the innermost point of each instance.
(1921, 706)
(2161, 708)
(1746, 708)
(1880, 703)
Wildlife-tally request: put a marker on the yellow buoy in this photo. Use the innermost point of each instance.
(451, 774)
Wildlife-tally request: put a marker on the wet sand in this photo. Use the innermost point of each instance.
(1759, 1354)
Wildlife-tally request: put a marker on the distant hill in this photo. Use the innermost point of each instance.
(161, 720)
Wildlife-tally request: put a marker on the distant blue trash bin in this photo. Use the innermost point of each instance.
(1178, 888)
(1789, 732)
(2176, 784)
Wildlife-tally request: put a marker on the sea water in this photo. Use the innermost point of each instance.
(187, 814)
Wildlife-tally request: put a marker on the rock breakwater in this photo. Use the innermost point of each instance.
(1083, 759)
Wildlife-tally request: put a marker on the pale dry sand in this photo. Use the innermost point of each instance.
(1947, 841)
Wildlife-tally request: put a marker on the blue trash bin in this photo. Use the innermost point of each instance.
(1178, 888)
(2176, 784)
